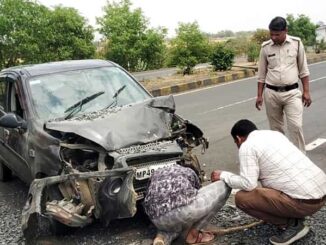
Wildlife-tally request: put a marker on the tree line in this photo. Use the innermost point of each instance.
(32, 33)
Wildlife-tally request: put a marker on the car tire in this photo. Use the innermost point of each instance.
(5, 173)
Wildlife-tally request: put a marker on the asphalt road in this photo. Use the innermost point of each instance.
(215, 110)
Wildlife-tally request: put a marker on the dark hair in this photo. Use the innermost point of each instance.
(277, 24)
(243, 128)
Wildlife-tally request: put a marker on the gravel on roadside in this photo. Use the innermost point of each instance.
(230, 216)
(139, 230)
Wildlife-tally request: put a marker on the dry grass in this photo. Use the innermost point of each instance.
(179, 78)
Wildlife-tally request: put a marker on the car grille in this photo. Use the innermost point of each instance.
(154, 146)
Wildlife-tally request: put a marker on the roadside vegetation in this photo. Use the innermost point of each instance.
(188, 48)
(222, 57)
(32, 33)
(128, 40)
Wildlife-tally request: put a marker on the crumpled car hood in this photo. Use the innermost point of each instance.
(122, 127)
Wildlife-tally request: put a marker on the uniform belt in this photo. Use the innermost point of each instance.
(282, 88)
(312, 201)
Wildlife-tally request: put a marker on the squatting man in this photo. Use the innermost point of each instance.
(292, 186)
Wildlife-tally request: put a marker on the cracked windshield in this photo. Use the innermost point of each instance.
(54, 95)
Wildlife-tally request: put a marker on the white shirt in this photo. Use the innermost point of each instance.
(269, 157)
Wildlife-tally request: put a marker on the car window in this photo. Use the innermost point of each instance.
(54, 93)
(2, 93)
(14, 101)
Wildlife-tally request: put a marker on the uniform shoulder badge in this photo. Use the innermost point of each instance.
(295, 38)
(266, 43)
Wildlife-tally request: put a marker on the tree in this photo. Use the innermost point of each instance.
(260, 36)
(68, 36)
(302, 27)
(20, 24)
(130, 41)
(222, 57)
(189, 47)
(253, 47)
(153, 48)
(253, 52)
(320, 46)
(32, 33)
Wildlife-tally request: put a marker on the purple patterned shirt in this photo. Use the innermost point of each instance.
(170, 188)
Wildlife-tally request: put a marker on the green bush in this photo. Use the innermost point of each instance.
(188, 48)
(320, 46)
(222, 58)
(253, 52)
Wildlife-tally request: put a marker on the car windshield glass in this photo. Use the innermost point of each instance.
(52, 94)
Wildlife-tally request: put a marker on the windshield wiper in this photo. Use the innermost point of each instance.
(115, 97)
(75, 108)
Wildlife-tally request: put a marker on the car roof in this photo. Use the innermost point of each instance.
(59, 66)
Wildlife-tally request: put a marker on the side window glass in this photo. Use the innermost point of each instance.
(14, 102)
(2, 93)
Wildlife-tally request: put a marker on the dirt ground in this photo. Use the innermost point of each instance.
(197, 75)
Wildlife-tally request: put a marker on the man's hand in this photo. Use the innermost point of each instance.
(215, 175)
(259, 102)
(306, 99)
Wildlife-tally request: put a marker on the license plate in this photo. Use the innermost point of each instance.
(146, 172)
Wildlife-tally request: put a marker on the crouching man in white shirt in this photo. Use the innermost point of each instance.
(293, 187)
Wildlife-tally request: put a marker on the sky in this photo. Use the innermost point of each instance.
(211, 15)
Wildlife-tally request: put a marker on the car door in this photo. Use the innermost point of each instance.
(14, 148)
(3, 87)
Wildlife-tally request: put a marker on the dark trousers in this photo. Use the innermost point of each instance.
(274, 206)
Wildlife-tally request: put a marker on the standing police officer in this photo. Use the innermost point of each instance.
(282, 62)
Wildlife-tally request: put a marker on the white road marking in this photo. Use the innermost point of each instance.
(229, 105)
(317, 79)
(315, 144)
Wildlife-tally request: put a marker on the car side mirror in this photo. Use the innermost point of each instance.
(11, 120)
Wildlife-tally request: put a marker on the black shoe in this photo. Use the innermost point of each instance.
(293, 232)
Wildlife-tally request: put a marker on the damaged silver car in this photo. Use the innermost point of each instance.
(86, 136)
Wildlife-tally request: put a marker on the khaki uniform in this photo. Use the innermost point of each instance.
(281, 65)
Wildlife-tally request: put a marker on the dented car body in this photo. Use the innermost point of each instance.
(86, 136)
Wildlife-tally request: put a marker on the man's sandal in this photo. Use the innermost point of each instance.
(159, 240)
(200, 237)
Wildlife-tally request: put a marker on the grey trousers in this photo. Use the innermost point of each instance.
(197, 214)
(289, 104)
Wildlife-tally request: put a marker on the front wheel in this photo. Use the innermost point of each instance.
(5, 173)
